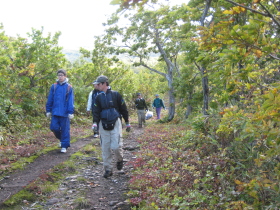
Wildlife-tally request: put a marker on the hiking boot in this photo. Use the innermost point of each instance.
(95, 136)
(107, 173)
(120, 165)
(63, 150)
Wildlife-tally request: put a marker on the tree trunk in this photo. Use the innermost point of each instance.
(205, 88)
(171, 110)
(189, 106)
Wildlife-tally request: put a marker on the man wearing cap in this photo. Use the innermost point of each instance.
(91, 99)
(60, 108)
(109, 105)
(158, 103)
(141, 106)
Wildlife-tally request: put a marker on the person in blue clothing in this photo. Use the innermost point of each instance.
(158, 104)
(60, 108)
(91, 100)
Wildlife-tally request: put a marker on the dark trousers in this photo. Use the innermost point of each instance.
(97, 132)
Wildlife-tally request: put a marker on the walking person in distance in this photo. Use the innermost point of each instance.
(158, 104)
(141, 106)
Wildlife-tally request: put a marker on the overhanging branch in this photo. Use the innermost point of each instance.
(267, 14)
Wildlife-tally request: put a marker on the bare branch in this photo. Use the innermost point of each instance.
(267, 14)
(154, 70)
(207, 7)
(270, 15)
(162, 52)
(248, 8)
(273, 56)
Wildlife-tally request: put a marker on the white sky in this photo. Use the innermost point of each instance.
(78, 20)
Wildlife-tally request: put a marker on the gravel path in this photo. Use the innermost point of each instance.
(94, 192)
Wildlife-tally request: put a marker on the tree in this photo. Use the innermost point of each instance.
(32, 64)
(149, 33)
(125, 4)
(121, 77)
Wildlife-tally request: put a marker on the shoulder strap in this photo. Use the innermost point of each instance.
(114, 98)
(110, 98)
(54, 87)
(92, 95)
(68, 89)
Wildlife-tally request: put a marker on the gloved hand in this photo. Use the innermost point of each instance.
(49, 115)
(128, 127)
(94, 127)
(71, 116)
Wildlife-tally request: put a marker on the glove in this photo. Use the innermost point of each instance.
(128, 127)
(49, 115)
(71, 116)
(94, 127)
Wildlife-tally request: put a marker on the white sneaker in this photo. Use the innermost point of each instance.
(63, 150)
(95, 136)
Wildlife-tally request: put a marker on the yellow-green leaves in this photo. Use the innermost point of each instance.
(234, 10)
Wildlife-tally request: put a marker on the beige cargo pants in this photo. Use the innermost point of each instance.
(111, 141)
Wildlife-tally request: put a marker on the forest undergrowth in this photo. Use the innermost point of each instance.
(179, 166)
(26, 142)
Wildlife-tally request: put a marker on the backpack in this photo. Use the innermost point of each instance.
(95, 93)
(68, 89)
(109, 115)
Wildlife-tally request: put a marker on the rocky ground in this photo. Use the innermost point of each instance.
(93, 192)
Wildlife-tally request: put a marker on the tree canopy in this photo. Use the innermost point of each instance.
(217, 62)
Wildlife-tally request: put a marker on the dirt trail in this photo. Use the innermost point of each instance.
(103, 193)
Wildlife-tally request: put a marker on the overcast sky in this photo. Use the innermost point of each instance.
(78, 20)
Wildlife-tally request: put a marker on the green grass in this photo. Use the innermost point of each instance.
(48, 183)
(20, 197)
(81, 203)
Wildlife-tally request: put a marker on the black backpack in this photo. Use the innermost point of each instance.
(109, 114)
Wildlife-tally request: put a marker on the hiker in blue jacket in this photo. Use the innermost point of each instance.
(60, 108)
(158, 104)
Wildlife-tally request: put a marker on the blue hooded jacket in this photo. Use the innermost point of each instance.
(61, 99)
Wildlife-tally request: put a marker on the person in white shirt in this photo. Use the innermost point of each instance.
(91, 99)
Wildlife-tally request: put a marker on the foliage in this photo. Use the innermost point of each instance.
(227, 159)
(148, 33)
(189, 169)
